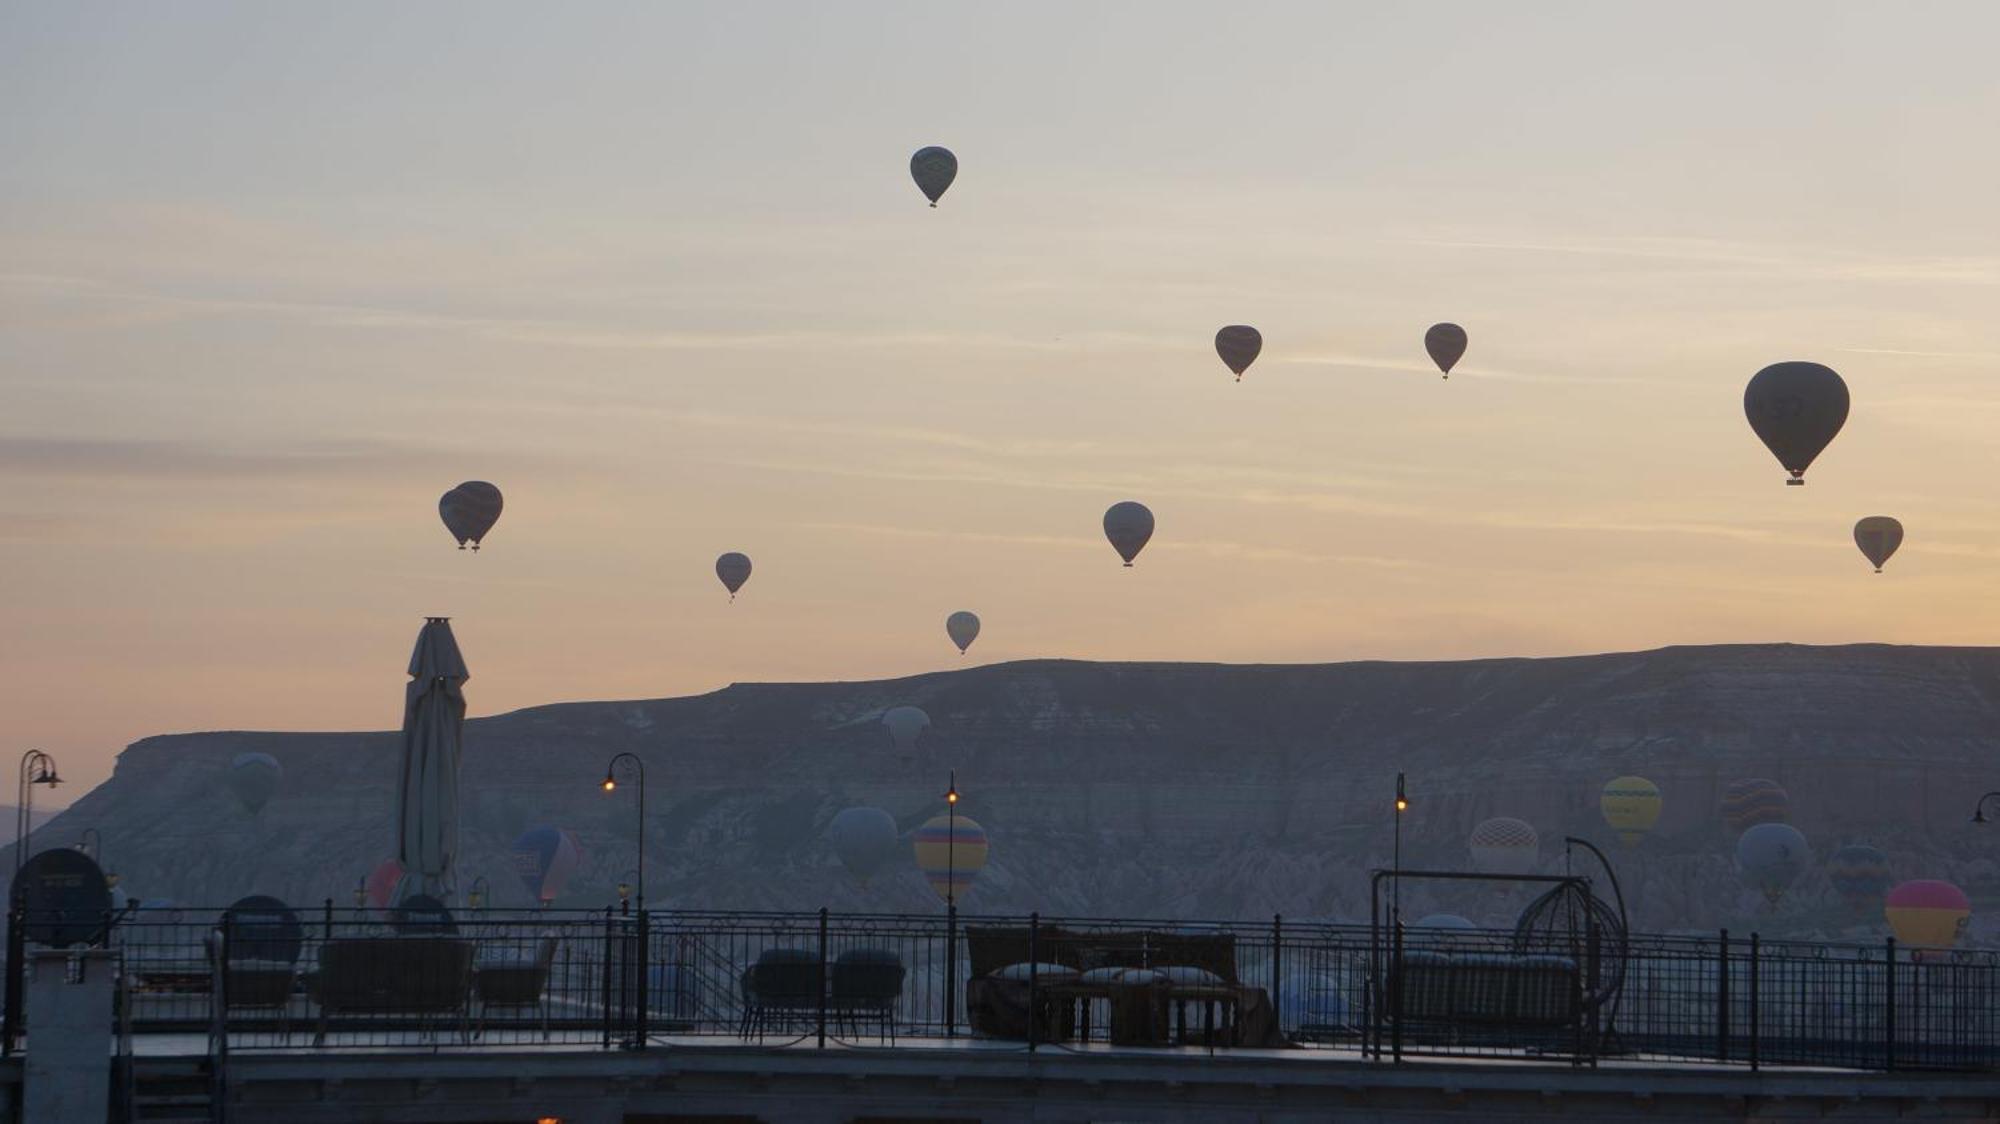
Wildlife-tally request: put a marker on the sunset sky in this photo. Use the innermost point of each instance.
(274, 276)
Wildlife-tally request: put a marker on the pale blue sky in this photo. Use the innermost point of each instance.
(272, 276)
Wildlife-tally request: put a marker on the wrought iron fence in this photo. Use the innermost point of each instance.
(356, 979)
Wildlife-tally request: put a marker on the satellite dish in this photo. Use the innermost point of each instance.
(261, 927)
(62, 899)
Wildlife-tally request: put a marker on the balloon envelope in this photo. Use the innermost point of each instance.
(1239, 345)
(1504, 845)
(254, 777)
(933, 168)
(1129, 526)
(906, 724)
(1927, 913)
(1859, 874)
(1754, 800)
(963, 628)
(1878, 536)
(1631, 805)
(951, 851)
(470, 510)
(734, 570)
(1771, 856)
(545, 857)
(382, 882)
(1446, 345)
(865, 839)
(1796, 409)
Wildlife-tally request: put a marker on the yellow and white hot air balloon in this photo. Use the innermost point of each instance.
(1631, 805)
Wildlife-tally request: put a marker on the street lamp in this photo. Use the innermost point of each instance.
(475, 897)
(951, 905)
(625, 882)
(36, 768)
(1396, 863)
(611, 785)
(1979, 809)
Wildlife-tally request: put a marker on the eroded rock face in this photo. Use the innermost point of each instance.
(1155, 790)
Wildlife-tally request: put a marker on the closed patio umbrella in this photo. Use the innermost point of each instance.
(427, 793)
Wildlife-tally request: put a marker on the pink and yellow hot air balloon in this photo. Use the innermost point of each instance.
(951, 850)
(1927, 913)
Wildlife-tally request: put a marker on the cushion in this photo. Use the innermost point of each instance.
(1052, 972)
(1188, 974)
(1101, 976)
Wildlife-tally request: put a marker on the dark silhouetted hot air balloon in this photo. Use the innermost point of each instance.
(933, 168)
(1239, 345)
(1128, 524)
(470, 510)
(734, 570)
(545, 857)
(1504, 845)
(952, 851)
(906, 724)
(1927, 913)
(1446, 345)
(1771, 856)
(1754, 800)
(1878, 536)
(1796, 409)
(254, 778)
(963, 628)
(1859, 874)
(865, 839)
(1631, 805)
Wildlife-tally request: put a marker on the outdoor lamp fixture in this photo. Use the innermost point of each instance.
(951, 841)
(611, 785)
(1402, 796)
(36, 768)
(1396, 887)
(475, 897)
(625, 883)
(1979, 809)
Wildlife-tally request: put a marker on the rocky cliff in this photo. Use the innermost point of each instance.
(1159, 790)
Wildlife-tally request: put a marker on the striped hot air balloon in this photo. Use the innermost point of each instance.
(1859, 874)
(1927, 913)
(951, 851)
(1631, 805)
(1754, 800)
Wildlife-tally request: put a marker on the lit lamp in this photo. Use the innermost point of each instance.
(1396, 891)
(610, 784)
(1979, 809)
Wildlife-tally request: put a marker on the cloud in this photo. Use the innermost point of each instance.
(173, 461)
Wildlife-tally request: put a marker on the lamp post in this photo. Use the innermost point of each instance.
(951, 906)
(611, 784)
(1979, 809)
(475, 896)
(625, 884)
(36, 768)
(1396, 863)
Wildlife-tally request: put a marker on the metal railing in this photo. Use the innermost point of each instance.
(350, 979)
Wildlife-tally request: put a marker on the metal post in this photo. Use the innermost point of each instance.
(1396, 994)
(610, 783)
(1277, 944)
(645, 969)
(17, 970)
(1034, 966)
(1889, 1011)
(610, 947)
(1722, 1000)
(822, 977)
(1756, 1006)
(326, 920)
(951, 971)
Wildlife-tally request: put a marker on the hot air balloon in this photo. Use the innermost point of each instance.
(1771, 856)
(1927, 913)
(1444, 921)
(1859, 874)
(963, 628)
(1631, 805)
(545, 857)
(1129, 525)
(382, 882)
(734, 570)
(1446, 345)
(905, 724)
(470, 510)
(1754, 800)
(1878, 536)
(933, 168)
(865, 839)
(1796, 409)
(1503, 845)
(254, 777)
(1239, 344)
(951, 850)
